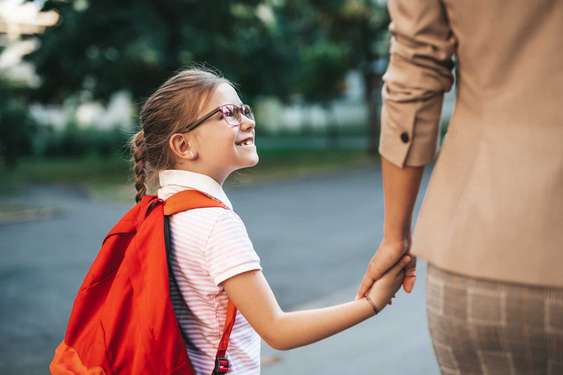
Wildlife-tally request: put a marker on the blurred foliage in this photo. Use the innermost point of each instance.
(104, 46)
(17, 128)
(269, 47)
(73, 141)
(334, 37)
(294, 50)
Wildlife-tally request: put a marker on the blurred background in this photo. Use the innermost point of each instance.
(73, 75)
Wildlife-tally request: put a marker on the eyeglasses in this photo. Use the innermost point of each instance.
(231, 113)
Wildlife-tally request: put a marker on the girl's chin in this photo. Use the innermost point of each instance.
(249, 162)
(253, 161)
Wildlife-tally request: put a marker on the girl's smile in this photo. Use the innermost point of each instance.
(247, 142)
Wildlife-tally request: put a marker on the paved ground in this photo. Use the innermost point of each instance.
(395, 342)
(314, 235)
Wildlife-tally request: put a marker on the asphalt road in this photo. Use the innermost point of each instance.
(314, 236)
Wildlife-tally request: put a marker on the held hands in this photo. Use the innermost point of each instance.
(385, 288)
(386, 256)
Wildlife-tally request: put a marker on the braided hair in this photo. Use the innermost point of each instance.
(138, 156)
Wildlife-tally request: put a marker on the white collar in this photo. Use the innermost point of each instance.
(174, 180)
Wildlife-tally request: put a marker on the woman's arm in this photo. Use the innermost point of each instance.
(254, 298)
(400, 188)
(419, 72)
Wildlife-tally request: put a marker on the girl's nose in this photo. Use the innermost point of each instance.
(247, 124)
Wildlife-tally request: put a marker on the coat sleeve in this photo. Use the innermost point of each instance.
(419, 72)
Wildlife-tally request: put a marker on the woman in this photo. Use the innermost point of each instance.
(491, 225)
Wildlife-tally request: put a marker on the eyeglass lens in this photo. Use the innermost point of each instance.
(233, 113)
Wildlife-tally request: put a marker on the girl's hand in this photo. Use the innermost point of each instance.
(385, 288)
(388, 254)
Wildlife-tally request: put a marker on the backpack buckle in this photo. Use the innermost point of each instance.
(222, 365)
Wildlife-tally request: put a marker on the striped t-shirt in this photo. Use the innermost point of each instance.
(209, 246)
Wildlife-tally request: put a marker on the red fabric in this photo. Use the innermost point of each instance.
(123, 321)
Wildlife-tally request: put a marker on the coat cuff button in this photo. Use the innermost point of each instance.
(405, 137)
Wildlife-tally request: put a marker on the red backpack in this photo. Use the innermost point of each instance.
(123, 321)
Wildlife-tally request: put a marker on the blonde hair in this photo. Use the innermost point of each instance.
(173, 105)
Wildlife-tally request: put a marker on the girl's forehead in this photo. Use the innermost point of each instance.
(223, 94)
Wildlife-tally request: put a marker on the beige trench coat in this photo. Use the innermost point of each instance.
(494, 204)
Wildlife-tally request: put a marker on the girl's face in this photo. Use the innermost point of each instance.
(221, 147)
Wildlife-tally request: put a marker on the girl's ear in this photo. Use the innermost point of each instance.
(183, 147)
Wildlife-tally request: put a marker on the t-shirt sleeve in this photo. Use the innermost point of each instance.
(229, 250)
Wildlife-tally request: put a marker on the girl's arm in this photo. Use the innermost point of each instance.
(254, 298)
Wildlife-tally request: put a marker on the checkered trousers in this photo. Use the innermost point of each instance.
(486, 327)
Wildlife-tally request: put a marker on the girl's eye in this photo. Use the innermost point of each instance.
(228, 112)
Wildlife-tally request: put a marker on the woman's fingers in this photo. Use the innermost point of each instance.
(384, 259)
(400, 266)
(412, 264)
(368, 279)
(410, 276)
(365, 285)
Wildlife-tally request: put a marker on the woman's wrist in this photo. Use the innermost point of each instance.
(396, 235)
(394, 248)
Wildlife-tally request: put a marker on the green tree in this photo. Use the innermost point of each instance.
(104, 46)
(335, 36)
(16, 126)
(269, 47)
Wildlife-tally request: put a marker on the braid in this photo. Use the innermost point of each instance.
(139, 168)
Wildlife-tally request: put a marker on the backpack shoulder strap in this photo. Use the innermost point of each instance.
(189, 199)
(131, 221)
(222, 364)
(184, 201)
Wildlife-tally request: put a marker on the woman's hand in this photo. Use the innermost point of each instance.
(387, 255)
(385, 288)
(410, 276)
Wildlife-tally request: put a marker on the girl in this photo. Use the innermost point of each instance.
(195, 133)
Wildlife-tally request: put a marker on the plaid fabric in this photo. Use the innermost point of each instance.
(486, 327)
